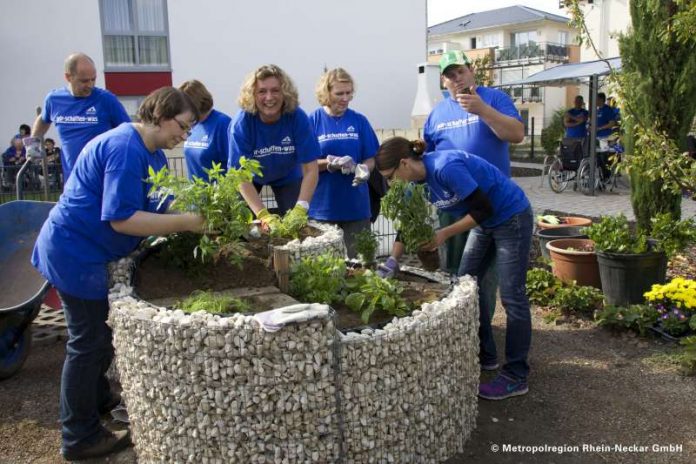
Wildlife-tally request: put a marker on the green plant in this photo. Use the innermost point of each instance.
(368, 293)
(213, 303)
(672, 236)
(366, 246)
(178, 250)
(638, 318)
(551, 315)
(578, 298)
(688, 357)
(226, 214)
(541, 286)
(552, 134)
(613, 234)
(407, 205)
(318, 279)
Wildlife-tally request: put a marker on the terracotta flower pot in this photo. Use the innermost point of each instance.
(565, 222)
(575, 259)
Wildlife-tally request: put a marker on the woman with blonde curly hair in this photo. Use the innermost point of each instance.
(272, 129)
(348, 146)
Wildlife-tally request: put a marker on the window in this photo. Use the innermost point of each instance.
(135, 34)
(473, 43)
(563, 37)
(523, 38)
(489, 40)
(131, 104)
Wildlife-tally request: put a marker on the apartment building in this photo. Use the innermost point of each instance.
(518, 41)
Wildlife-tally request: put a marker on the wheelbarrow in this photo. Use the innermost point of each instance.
(22, 288)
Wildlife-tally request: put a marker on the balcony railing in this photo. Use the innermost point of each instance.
(533, 53)
(524, 94)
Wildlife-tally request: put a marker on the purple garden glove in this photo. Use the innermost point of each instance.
(388, 269)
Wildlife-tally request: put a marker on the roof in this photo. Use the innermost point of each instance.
(570, 73)
(510, 15)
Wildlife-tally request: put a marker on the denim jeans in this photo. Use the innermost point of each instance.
(285, 195)
(83, 386)
(511, 241)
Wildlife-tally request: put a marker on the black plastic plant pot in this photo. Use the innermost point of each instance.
(546, 235)
(626, 277)
(661, 332)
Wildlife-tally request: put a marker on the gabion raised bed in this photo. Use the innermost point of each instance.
(209, 389)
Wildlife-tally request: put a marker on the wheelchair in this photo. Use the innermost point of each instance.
(564, 166)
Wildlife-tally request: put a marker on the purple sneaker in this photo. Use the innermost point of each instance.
(502, 387)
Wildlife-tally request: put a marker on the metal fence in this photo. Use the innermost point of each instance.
(35, 188)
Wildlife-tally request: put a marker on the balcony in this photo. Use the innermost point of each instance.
(532, 53)
(522, 94)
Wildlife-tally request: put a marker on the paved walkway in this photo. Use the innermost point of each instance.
(603, 203)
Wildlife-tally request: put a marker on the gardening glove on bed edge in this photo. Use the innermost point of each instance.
(388, 269)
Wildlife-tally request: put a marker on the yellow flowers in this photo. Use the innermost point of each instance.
(679, 292)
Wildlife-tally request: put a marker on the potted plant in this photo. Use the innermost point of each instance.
(366, 247)
(574, 259)
(407, 205)
(549, 221)
(675, 304)
(630, 263)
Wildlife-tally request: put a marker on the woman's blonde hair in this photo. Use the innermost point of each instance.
(328, 80)
(246, 99)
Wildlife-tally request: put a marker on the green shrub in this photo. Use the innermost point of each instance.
(213, 303)
(638, 318)
(541, 286)
(578, 298)
(368, 293)
(366, 246)
(318, 279)
(552, 134)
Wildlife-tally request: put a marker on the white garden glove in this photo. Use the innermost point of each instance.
(33, 147)
(343, 163)
(362, 173)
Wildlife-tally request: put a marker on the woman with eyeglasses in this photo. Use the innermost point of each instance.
(102, 215)
(208, 141)
(499, 217)
(272, 129)
(348, 145)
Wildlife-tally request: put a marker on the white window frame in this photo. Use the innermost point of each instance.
(136, 34)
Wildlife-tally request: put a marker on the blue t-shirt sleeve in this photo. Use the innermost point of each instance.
(306, 143)
(504, 104)
(240, 143)
(46, 112)
(123, 189)
(457, 178)
(368, 140)
(118, 113)
(427, 135)
(222, 140)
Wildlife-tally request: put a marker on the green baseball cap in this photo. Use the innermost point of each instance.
(453, 57)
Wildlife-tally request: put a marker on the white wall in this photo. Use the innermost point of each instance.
(36, 37)
(604, 19)
(380, 43)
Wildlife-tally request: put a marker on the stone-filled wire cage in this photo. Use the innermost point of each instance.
(205, 388)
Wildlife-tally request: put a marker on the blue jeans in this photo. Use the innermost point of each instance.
(285, 195)
(511, 242)
(88, 355)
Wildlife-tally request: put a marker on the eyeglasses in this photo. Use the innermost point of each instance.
(390, 177)
(183, 127)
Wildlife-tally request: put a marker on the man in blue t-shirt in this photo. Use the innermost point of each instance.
(575, 120)
(80, 111)
(479, 120)
(606, 116)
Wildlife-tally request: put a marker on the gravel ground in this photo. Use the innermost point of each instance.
(588, 387)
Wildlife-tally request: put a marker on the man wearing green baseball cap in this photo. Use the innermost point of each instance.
(483, 121)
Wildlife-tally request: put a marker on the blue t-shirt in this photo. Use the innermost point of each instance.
(605, 113)
(79, 119)
(579, 131)
(280, 147)
(108, 183)
(335, 198)
(450, 127)
(453, 175)
(208, 143)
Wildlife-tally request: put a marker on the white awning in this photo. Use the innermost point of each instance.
(569, 74)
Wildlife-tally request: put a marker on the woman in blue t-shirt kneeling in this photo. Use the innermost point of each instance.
(104, 212)
(348, 146)
(499, 216)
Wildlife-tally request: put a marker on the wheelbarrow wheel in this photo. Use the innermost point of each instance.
(13, 355)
